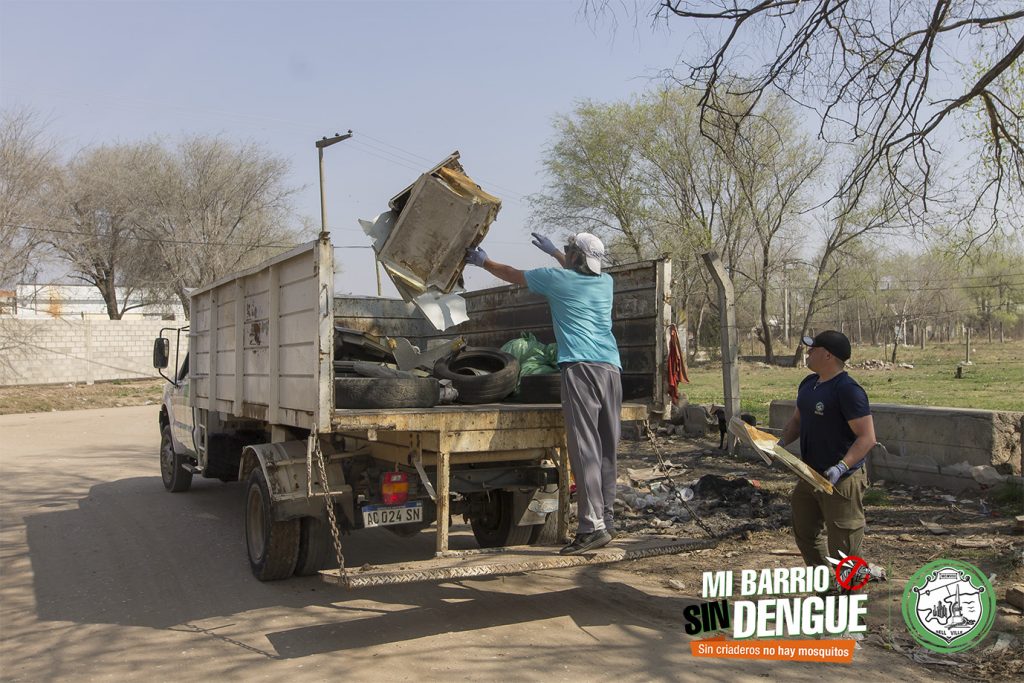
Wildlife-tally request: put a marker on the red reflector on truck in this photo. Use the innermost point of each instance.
(394, 488)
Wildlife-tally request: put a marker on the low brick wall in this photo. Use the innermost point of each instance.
(952, 448)
(60, 350)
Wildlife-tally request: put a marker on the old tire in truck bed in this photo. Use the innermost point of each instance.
(480, 375)
(386, 392)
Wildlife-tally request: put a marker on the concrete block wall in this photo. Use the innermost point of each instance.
(951, 448)
(64, 350)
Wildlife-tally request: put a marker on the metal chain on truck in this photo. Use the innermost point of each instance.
(672, 487)
(331, 518)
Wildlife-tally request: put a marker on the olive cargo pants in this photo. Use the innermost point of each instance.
(840, 515)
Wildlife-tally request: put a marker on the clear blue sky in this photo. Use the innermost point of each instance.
(413, 80)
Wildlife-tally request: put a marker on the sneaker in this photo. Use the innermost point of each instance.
(584, 542)
(611, 531)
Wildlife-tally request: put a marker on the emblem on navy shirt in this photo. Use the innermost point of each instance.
(819, 408)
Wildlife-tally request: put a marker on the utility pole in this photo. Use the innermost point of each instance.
(322, 144)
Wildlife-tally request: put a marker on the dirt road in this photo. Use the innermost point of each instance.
(107, 577)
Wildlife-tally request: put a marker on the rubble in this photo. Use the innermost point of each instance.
(872, 364)
(718, 501)
(1015, 596)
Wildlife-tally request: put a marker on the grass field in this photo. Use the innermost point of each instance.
(995, 381)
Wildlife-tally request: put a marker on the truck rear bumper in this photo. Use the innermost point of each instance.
(502, 561)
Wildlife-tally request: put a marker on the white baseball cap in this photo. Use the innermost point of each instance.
(592, 249)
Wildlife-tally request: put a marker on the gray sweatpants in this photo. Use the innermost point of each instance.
(592, 406)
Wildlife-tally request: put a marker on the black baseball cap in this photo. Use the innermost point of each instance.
(832, 341)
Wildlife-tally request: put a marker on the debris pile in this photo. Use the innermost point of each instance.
(875, 364)
(727, 505)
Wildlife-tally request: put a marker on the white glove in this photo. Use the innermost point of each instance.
(836, 471)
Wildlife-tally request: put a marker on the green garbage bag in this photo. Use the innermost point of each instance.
(535, 357)
(526, 349)
(534, 368)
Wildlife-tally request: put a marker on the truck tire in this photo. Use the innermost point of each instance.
(273, 546)
(546, 533)
(176, 478)
(383, 392)
(480, 375)
(315, 546)
(495, 527)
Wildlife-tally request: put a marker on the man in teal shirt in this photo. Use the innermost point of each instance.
(580, 297)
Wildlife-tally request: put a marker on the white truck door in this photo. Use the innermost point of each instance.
(182, 421)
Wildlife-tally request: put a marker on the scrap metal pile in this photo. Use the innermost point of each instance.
(391, 372)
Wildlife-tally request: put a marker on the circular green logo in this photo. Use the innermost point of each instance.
(949, 606)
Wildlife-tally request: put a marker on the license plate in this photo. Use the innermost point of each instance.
(387, 515)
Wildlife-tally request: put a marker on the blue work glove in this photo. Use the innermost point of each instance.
(476, 257)
(544, 244)
(836, 471)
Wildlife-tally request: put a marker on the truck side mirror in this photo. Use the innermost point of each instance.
(161, 352)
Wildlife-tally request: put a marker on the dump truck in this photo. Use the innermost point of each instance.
(256, 400)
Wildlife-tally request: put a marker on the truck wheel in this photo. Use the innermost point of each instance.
(495, 526)
(273, 546)
(315, 546)
(176, 477)
(546, 533)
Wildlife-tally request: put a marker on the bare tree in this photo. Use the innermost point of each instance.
(774, 166)
(886, 78)
(874, 214)
(103, 199)
(216, 207)
(28, 169)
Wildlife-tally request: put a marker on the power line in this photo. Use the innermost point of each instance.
(846, 290)
(170, 240)
(141, 238)
(393, 158)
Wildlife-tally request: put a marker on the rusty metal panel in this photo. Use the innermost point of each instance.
(504, 441)
(504, 561)
(382, 317)
(401, 452)
(442, 214)
(640, 317)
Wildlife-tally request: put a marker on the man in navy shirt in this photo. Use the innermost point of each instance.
(833, 420)
(580, 297)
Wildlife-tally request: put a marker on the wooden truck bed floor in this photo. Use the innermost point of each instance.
(456, 417)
